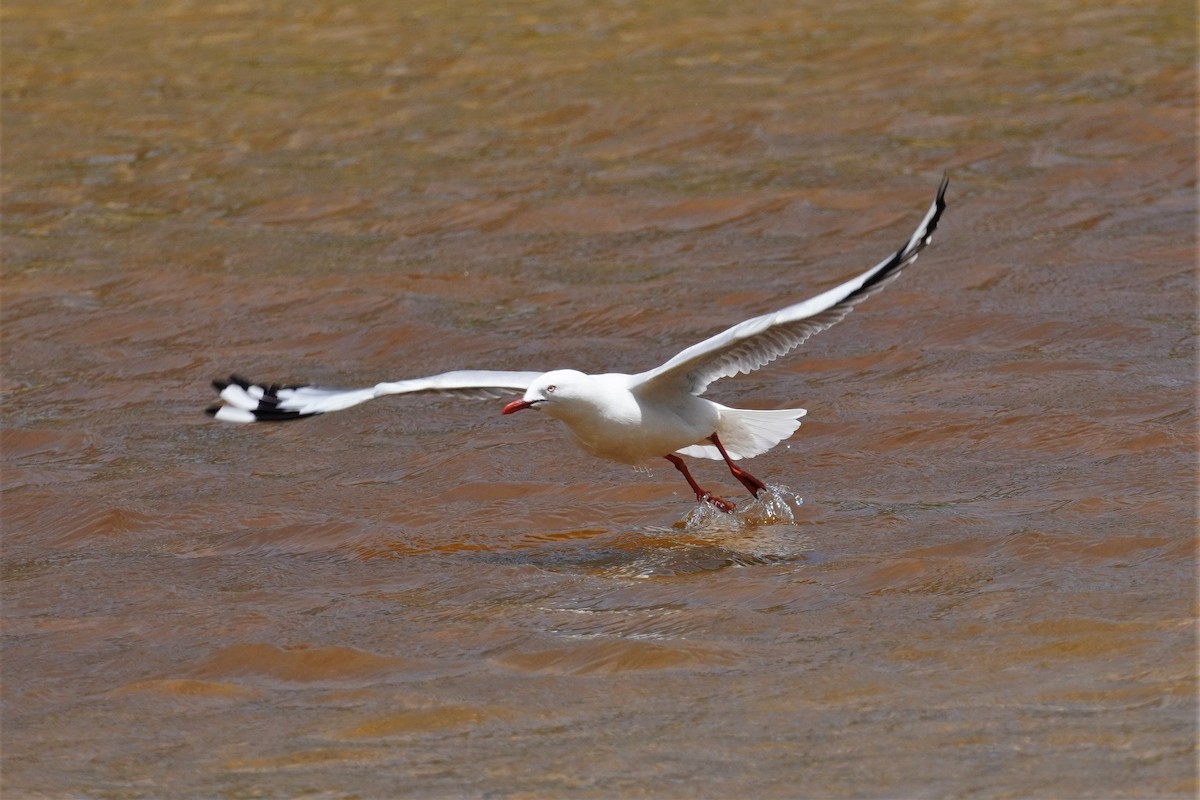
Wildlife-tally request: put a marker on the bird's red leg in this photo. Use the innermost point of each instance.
(749, 481)
(701, 495)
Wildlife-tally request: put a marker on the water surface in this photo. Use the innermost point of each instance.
(987, 584)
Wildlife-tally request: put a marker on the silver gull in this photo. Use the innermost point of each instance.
(654, 414)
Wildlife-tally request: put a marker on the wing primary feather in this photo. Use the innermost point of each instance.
(916, 243)
(751, 344)
(246, 401)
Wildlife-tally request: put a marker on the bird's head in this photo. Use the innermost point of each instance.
(552, 392)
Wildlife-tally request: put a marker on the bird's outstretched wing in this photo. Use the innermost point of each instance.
(751, 344)
(250, 402)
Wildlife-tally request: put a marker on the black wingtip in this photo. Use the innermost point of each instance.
(939, 204)
(915, 245)
(274, 415)
(940, 200)
(267, 409)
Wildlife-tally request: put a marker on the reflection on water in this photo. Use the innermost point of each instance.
(988, 588)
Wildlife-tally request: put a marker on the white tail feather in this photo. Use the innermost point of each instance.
(746, 432)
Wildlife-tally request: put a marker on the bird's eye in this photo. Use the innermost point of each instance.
(550, 389)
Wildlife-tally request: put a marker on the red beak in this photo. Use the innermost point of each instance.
(516, 405)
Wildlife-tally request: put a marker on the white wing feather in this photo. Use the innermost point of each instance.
(250, 402)
(751, 344)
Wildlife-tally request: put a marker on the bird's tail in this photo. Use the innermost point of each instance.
(748, 432)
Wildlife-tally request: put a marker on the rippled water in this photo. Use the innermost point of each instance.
(975, 576)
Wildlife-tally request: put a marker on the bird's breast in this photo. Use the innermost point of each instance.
(633, 432)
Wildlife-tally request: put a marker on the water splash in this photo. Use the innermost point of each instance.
(778, 505)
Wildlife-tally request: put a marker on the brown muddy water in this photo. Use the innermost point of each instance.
(986, 587)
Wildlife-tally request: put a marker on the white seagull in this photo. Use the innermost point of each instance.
(630, 418)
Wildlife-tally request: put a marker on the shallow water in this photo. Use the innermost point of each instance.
(979, 577)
